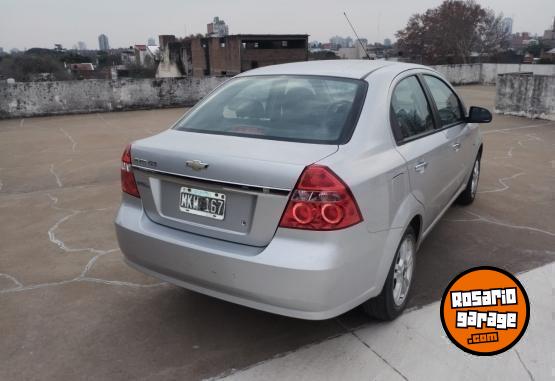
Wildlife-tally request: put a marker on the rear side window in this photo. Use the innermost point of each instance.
(410, 112)
(447, 102)
(292, 108)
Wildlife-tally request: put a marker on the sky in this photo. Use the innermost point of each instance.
(42, 23)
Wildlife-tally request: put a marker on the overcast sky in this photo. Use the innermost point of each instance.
(42, 23)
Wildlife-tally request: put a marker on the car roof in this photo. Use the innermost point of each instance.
(357, 69)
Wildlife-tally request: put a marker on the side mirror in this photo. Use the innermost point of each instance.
(478, 115)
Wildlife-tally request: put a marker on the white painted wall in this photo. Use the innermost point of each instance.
(487, 72)
(26, 99)
(460, 74)
(490, 71)
(532, 96)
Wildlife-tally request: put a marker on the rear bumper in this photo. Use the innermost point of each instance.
(308, 275)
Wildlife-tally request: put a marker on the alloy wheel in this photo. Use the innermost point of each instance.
(402, 272)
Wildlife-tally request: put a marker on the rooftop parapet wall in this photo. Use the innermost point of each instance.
(28, 99)
(526, 94)
(486, 73)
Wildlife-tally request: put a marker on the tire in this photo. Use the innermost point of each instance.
(390, 304)
(469, 194)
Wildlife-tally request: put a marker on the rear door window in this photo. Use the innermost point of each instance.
(446, 101)
(411, 115)
(293, 108)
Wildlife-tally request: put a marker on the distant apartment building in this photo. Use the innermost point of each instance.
(227, 56)
(217, 28)
(151, 41)
(548, 39)
(175, 57)
(140, 54)
(145, 55)
(81, 45)
(127, 56)
(341, 42)
(330, 46)
(519, 41)
(82, 70)
(103, 43)
(231, 55)
(356, 52)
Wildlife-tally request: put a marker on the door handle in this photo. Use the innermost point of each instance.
(456, 146)
(420, 167)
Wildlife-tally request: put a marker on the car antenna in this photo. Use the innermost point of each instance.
(358, 38)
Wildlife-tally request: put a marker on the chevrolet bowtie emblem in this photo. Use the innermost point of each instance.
(196, 165)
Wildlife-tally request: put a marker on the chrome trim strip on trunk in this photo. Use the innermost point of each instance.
(256, 188)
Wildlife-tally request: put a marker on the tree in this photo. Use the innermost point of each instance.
(106, 59)
(451, 32)
(25, 67)
(322, 55)
(536, 49)
(138, 71)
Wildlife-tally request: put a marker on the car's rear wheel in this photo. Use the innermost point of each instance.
(469, 193)
(395, 293)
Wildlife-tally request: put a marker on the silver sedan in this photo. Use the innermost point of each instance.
(302, 189)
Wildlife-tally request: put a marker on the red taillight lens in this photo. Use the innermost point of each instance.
(320, 201)
(128, 184)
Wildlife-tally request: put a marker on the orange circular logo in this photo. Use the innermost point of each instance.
(485, 311)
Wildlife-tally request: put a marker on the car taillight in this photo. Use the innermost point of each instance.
(320, 201)
(128, 184)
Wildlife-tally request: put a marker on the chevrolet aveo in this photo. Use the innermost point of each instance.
(302, 189)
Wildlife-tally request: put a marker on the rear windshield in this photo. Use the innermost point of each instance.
(293, 108)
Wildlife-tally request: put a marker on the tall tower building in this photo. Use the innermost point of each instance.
(507, 24)
(103, 43)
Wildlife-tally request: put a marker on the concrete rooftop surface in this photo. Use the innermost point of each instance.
(71, 309)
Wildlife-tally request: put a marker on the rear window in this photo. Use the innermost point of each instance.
(293, 108)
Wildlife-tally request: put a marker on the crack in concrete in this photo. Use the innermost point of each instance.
(58, 180)
(106, 123)
(58, 242)
(480, 218)
(13, 279)
(82, 277)
(502, 182)
(520, 142)
(517, 128)
(56, 175)
(380, 356)
(73, 142)
(524, 366)
(384, 360)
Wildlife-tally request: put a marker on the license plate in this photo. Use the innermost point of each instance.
(202, 203)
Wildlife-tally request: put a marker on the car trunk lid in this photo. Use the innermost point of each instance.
(253, 178)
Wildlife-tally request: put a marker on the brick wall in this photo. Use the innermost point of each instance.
(198, 59)
(265, 57)
(225, 60)
(234, 58)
